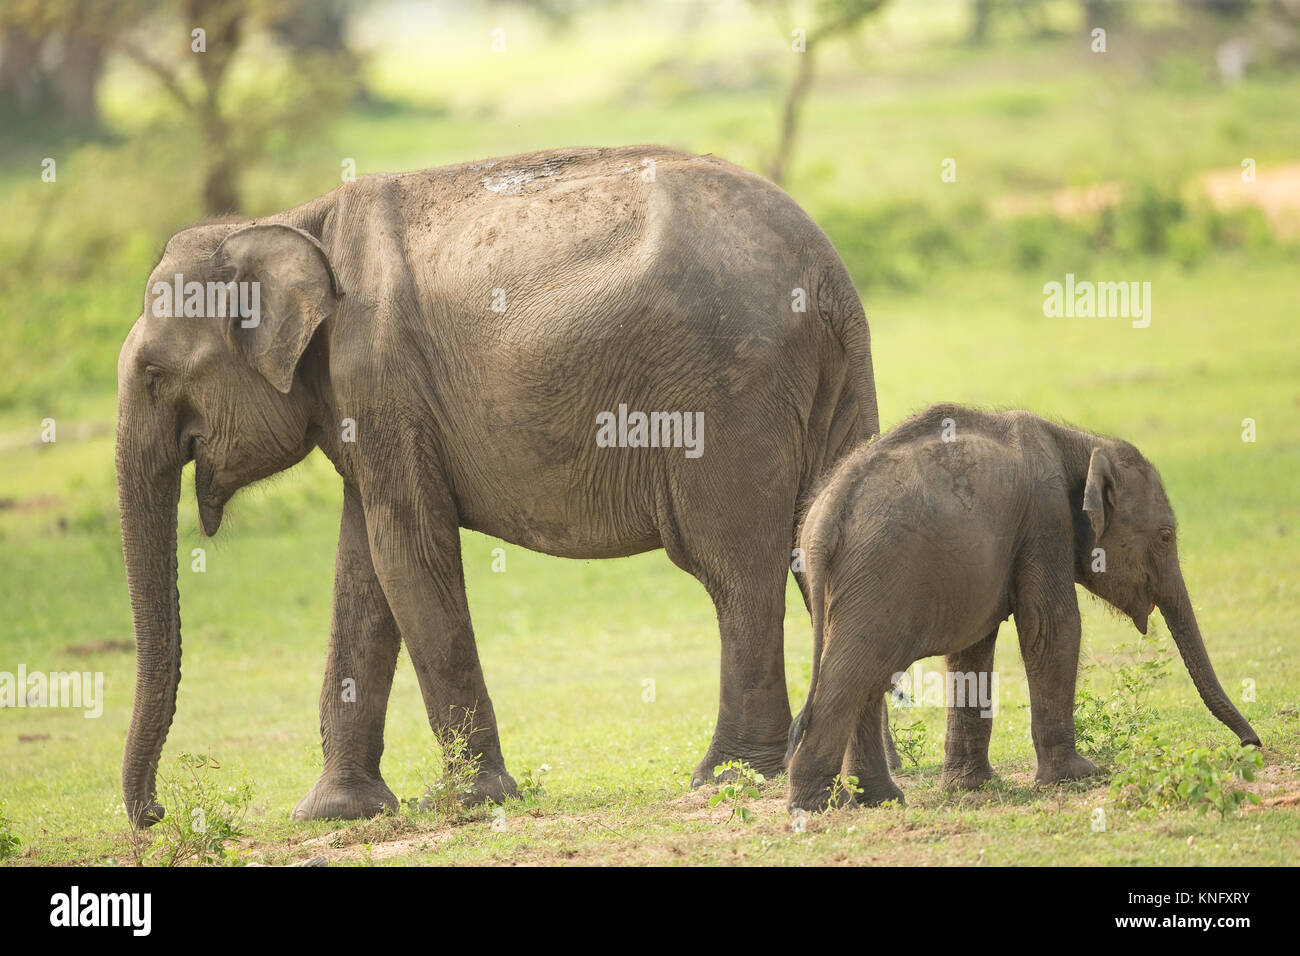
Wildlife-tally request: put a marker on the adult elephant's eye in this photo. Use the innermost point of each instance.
(152, 375)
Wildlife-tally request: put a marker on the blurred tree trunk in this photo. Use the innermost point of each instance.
(223, 23)
(52, 56)
(20, 79)
(77, 78)
(790, 117)
(321, 26)
(980, 12)
(848, 16)
(220, 178)
(1101, 13)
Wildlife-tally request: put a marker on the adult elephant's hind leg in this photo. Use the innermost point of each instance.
(753, 705)
(358, 677)
(966, 742)
(743, 560)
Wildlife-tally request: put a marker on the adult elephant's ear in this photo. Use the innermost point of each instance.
(1099, 492)
(297, 290)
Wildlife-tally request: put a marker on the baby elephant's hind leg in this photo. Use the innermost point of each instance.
(966, 743)
(867, 757)
(839, 697)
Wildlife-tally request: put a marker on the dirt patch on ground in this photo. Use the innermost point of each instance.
(1281, 800)
(935, 826)
(560, 836)
(335, 848)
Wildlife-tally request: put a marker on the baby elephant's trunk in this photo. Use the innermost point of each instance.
(1178, 614)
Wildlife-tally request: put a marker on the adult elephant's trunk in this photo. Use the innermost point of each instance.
(147, 497)
(1178, 614)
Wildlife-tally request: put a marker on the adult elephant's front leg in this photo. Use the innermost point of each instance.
(358, 677)
(415, 545)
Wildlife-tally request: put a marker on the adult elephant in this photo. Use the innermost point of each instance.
(457, 342)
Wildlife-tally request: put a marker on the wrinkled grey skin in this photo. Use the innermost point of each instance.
(666, 292)
(920, 547)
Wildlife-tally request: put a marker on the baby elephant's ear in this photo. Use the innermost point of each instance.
(296, 290)
(1099, 492)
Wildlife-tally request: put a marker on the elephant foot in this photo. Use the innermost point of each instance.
(495, 786)
(333, 799)
(875, 792)
(492, 786)
(768, 760)
(1073, 767)
(966, 776)
(816, 799)
(811, 798)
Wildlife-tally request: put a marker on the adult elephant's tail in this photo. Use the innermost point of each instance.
(841, 309)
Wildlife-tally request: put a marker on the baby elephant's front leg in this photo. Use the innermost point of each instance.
(1047, 621)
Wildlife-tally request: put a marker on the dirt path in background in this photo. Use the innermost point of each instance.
(1275, 191)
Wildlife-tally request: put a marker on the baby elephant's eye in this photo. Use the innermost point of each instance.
(1166, 535)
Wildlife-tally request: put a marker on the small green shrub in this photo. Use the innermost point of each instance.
(530, 785)
(912, 741)
(843, 789)
(8, 842)
(734, 792)
(1105, 725)
(450, 776)
(1144, 222)
(1156, 775)
(202, 814)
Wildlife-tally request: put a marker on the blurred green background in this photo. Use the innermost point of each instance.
(1170, 156)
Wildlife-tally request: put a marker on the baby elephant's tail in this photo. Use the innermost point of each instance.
(817, 605)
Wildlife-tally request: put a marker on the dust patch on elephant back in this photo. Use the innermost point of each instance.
(953, 460)
(511, 180)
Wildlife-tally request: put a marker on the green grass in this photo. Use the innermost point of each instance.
(566, 645)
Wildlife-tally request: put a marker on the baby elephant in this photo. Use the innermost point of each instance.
(922, 542)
